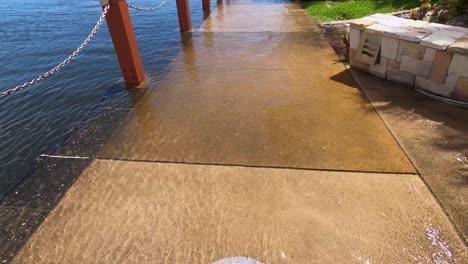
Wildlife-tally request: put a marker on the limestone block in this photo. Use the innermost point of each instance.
(440, 67)
(414, 36)
(415, 24)
(393, 64)
(354, 38)
(433, 87)
(459, 66)
(369, 47)
(379, 69)
(398, 58)
(450, 33)
(411, 49)
(429, 55)
(361, 24)
(460, 46)
(459, 29)
(416, 67)
(451, 81)
(389, 47)
(377, 28)
(431, 29)
(436, 41)
(437, 26)
(400, 77)
(461, 91)
(393, 21)
(395, 32)
(377, 18)
(356, 64)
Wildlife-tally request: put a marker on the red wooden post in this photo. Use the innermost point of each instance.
(183, 11)
(125, 45)
(206, 5)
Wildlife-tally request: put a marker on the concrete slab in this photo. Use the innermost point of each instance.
(258, 118)
(257, 18)
(171, 213)
(272, 97)
(24, 207)
(17, 224)
(434, 135)
(49, 182)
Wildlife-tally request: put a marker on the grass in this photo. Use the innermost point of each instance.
(325, 11)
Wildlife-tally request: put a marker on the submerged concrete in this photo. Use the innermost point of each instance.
(257, 85)
(140, 212)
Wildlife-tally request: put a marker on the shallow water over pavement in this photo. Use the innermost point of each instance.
(256, 85)
(35, 36)
(259, 99)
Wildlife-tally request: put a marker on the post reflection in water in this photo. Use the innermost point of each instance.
(220, 12)
(144, 100)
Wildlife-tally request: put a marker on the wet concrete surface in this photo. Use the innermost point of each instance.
(262, 94)
(24, 209)
(17, 225)
(141, 212)
(257, 85)
(435, 137)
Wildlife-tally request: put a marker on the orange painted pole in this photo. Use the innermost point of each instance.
(183, 11)
(125, 45)
(206, 5)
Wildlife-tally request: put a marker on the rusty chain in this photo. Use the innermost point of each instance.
(148, 9)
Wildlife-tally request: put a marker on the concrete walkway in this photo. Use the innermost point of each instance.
(255, 145)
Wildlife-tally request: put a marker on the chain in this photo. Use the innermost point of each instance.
(65, 62)
(148, 9)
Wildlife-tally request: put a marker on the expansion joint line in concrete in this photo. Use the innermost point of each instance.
(226, 165)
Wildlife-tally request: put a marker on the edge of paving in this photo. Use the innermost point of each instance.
(411, 158)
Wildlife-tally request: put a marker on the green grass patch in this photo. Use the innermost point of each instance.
(325, 11)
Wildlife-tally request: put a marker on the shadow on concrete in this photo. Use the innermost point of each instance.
(434, 135)
(453, 120)
(345, 77)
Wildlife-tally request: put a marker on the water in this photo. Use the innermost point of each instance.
(35, 35)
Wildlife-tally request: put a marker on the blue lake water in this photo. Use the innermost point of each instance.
(36, 35)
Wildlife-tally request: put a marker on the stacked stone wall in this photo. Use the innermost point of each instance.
(427, 56)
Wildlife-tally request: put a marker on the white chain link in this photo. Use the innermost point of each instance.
(65, 62)
(148, 9)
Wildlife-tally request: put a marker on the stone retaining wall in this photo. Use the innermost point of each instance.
(427, 56)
